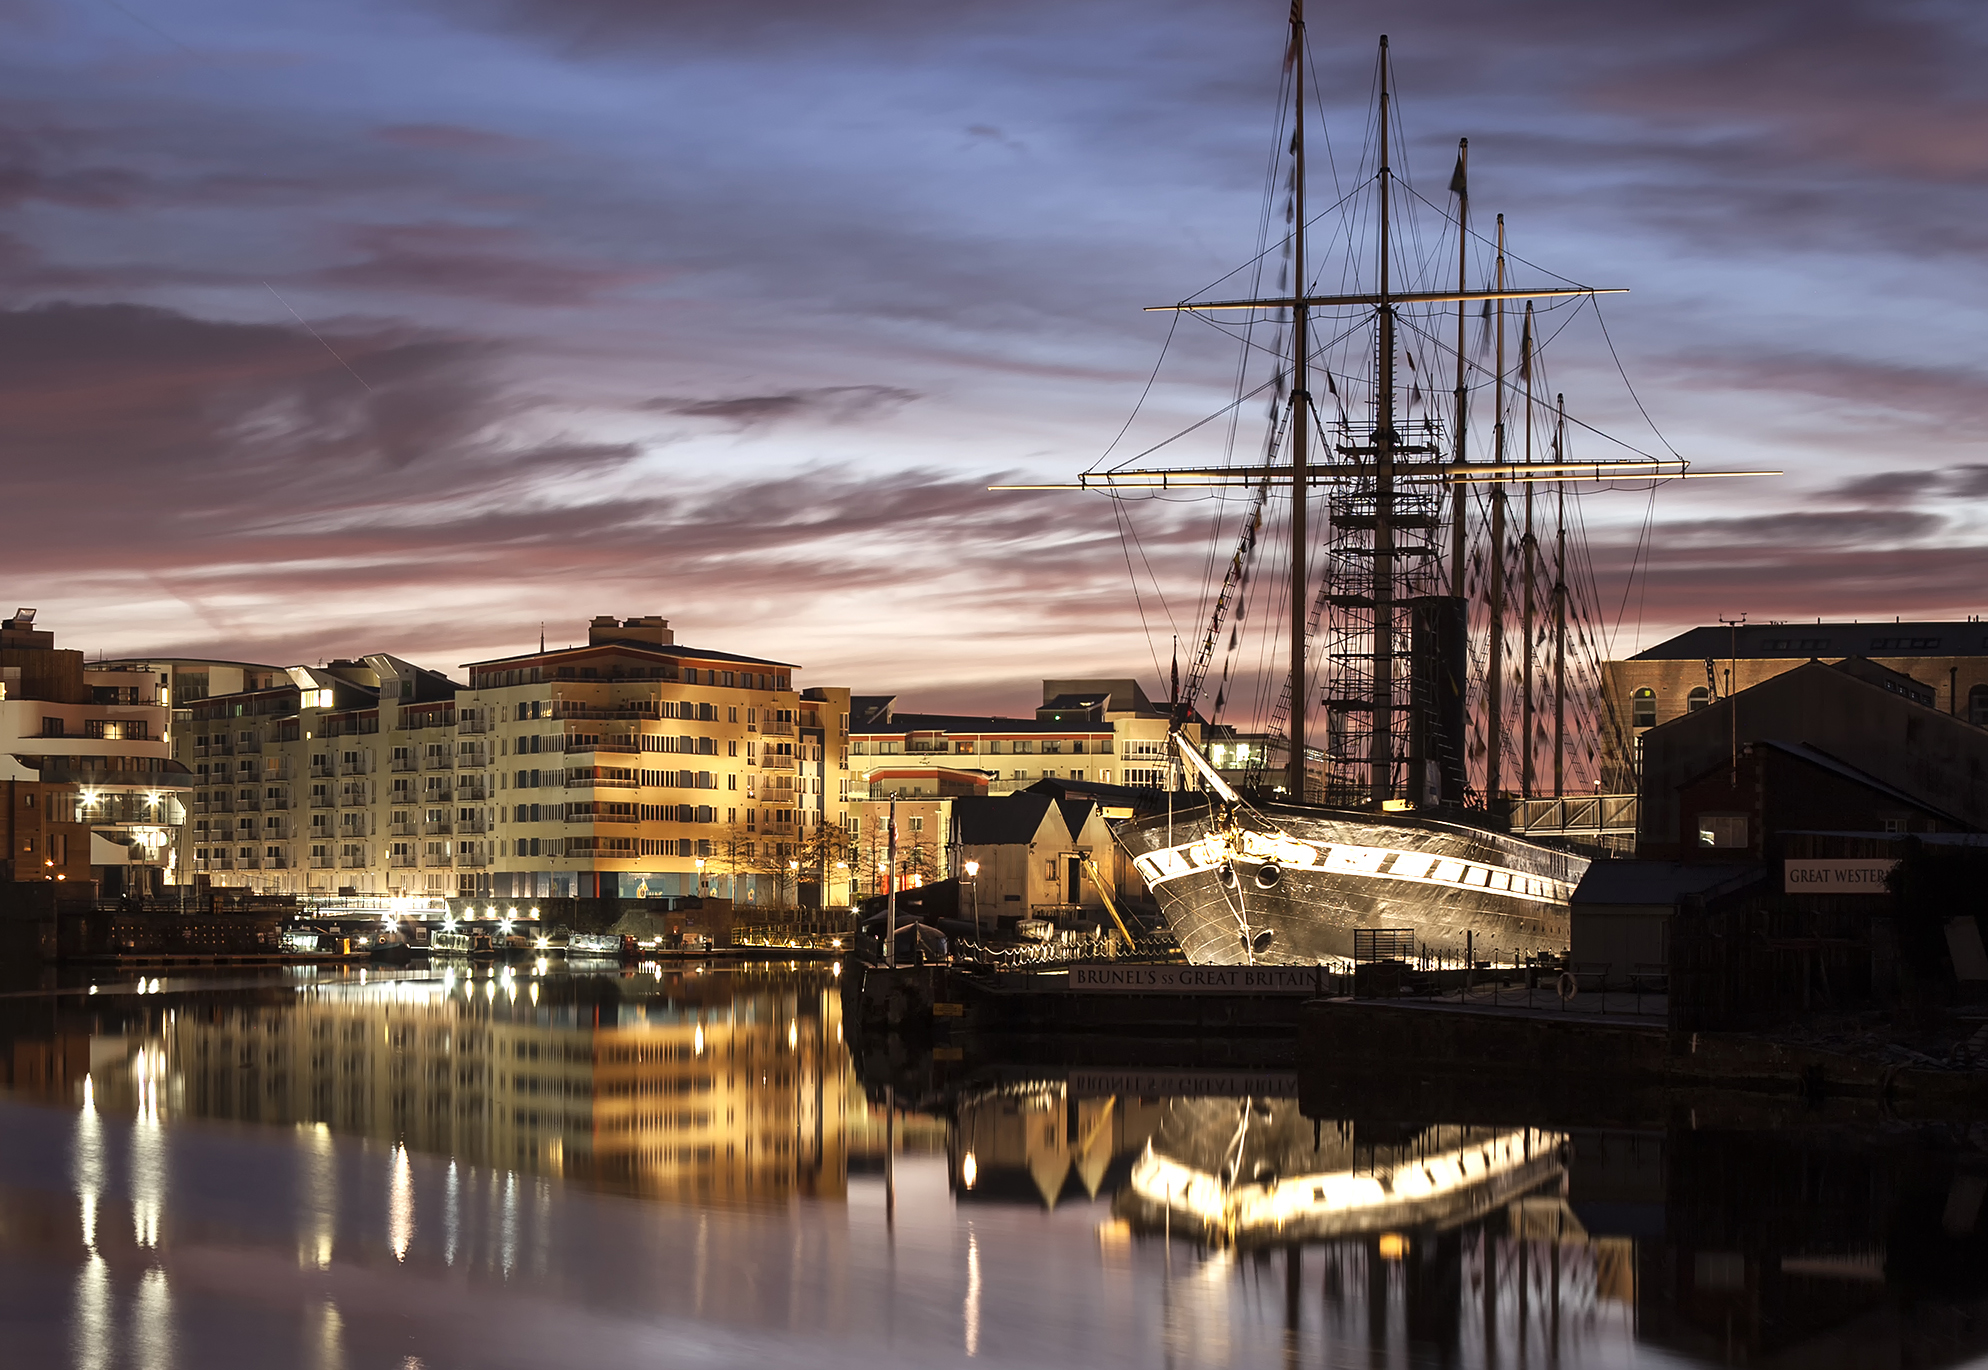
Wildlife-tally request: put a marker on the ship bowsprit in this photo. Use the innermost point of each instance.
(1294, 886)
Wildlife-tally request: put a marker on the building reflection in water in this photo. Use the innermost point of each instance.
(685, 1086)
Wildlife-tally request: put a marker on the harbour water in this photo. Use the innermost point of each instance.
(691, 1165)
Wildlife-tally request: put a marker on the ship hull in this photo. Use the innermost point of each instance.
(1311, 878)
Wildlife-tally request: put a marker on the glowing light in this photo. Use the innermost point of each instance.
(793, 1035)
(1393, 1246)
(543, 943)
(969, 1170)
(697, 1043)
(836, 969)
(972, 869)
(448, 922)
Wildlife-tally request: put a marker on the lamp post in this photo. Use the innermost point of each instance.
(702, 887)
(972, 869)
(794, 874)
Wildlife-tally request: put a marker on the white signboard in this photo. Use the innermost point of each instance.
(1835, 877)
(1197, 979)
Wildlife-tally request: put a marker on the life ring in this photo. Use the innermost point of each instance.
(1567, 985)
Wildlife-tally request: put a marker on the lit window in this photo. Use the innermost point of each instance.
(1643, 708)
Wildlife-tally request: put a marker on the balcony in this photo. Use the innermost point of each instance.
(436, 860)
(606, 744)
(352, 799)
(589, 782)
(472, 787)
(471, 860)
(770, 761)
(359, 766)
(403, 763)
(565, 709)
(213, 749)
(777, 729)
(475, 756)
(352, 863)
(464, 825)
(281, 801)
(321, 863)
(401, 861)
(322, 801)
(439, 761)
(403, 830)
(322, 770)
(436, 829)
(277, 863)
(473, 725)
(602, 818)
(220, 803)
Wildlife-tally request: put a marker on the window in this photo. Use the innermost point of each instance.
(918, 825)
(1643, 708)
(1977, 706)
(1722, 830)
(1697, 700)
(1894, 825)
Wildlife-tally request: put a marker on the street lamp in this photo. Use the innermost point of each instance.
(702, 888)
(972, 869)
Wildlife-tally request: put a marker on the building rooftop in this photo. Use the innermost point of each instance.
(896, 723)
(1010, 819)
(1656, 882)
(1755, 641)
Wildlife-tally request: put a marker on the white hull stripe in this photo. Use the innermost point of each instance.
(1384, 863)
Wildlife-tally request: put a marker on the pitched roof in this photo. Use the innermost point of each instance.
(1815, 756)
(1755, 641)
(1657, 882)
(1009, 820)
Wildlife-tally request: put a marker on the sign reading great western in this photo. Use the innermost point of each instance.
(1834, 877)
(1197, 979)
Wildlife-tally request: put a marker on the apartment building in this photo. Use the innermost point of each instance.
(638, 767)
(329, 778)
(1088, 730)
(630, 767)
(91, 789)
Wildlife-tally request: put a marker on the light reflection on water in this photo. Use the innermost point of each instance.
(634, 1167)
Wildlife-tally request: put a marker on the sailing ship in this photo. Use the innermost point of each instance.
(1393, 834)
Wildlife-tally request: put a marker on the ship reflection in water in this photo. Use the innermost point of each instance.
(644, 1167)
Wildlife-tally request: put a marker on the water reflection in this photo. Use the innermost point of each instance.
(447, 1159)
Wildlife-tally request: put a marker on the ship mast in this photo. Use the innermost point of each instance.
(1301, 403)
(1494, 677)
(1530, 552)
(1380, 754)
(1560, 609)
(1460, 504)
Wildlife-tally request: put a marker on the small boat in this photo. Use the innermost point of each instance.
(392, 948)
(448, 942)
(599, 944)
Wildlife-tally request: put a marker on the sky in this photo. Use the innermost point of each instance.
(423, 327)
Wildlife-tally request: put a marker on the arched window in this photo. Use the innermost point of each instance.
(1697, 700)
(1643, 708)
(1977, 706)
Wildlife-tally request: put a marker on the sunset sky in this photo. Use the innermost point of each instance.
(409, 327)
